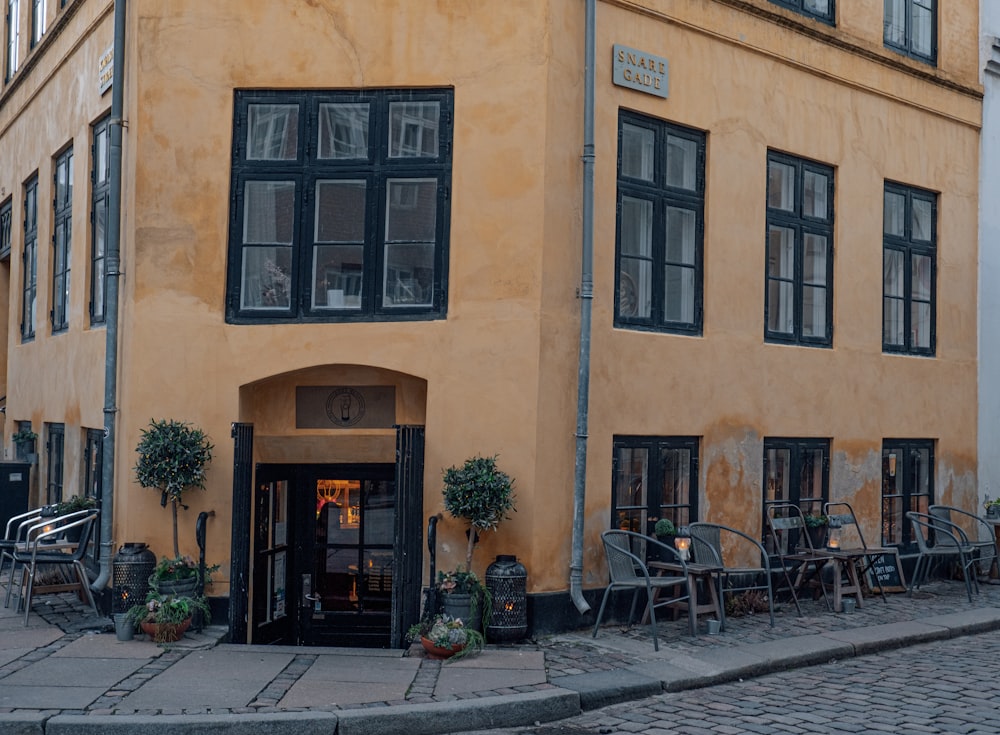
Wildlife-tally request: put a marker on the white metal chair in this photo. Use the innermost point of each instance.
(629, 571)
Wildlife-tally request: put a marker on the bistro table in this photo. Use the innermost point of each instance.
(710, 573)
(845, 562)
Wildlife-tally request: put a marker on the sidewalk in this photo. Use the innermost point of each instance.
(67, 672)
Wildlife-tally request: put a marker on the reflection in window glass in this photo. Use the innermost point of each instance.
(272, 132)
(413, 129)
(343, 131)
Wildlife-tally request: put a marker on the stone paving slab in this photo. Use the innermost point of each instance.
(453, 680)
(333, 667)
(35, 697)
(53, 674)
(99, 646)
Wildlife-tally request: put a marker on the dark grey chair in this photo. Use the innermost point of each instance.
(800, 562)
(735, 552)
(986, 549)
(628, 571)
(937, 540)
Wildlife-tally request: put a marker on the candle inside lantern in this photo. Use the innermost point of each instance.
(683, 545)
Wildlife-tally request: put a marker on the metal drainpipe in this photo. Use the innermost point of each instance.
(112, 275)
(586, 302)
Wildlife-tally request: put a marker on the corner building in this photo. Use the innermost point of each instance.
(352, 242)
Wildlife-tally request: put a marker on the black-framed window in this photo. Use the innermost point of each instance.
(340, 206)
(909, 270)
(796, 471)
(13, 38)
(907, 484)
(100, 198)
(23, 449)
(823, 10)
(55, 446)
(661, 225)
(29, 273)
(6, 218)
(93, 480)
(37, 21)
(798, 299)
(910, 27)
(62, 239)
(654, 477)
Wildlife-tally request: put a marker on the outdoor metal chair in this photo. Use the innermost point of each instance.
(985, 549)
(950, 542)
(42, 549)
(15, 534)
(628, 571)
(730, 549)
(795, 551)
(853, 540)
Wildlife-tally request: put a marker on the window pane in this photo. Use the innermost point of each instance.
(101, 155)
(894, 214)
(630, 489)
(894, 24)
(780, 186)
(413, 129)
(272, 132)
(678, 286)
(637, 152)
(635, 288)
(780, 315)
(814, 187)
(813, 311)
(920, 220)
(637, 226)
(343, 131)
(819, 7)
(921, 27)
(682, 162)
(409, 274)
(892, 321)
(814, 260)
(411, 209)
(920, 324)
(781, 253)
(680, 236)
(778, 475)
(340, 211)
(892, 273)
(676, 476)
(266, 279)
(921, 277)
(269, 212)
(337, 282)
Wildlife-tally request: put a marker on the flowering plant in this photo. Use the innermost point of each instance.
(167, 611)
(177, 569)
(444, 631)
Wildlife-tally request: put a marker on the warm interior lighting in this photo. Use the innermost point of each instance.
(683, 545)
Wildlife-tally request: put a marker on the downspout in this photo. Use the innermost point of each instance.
(112, 275)
(586, 302)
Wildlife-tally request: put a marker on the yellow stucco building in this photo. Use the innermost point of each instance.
(363, 241)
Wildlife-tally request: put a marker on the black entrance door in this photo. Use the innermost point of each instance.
(345, 555)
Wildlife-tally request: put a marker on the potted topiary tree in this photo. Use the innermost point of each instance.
(483, 495)
(172, 458)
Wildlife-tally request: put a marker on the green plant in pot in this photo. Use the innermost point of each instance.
(992, 507)
(165, 618)
(24, 436)
(444, 636)
(816, 525)
(178, 575)
(76, 503)
(481, 494)
(172, 459)
(665, 532)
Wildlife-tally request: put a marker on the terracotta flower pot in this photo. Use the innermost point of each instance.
(436, 652)
(165, 632)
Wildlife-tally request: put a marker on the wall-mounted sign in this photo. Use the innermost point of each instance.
(640, 71)
(345, 407)
(106, 70)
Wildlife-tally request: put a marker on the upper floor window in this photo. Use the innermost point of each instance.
(909, 252)
(62, 239)
(6, 215)
(37, 21)
(340, 206)
(798, 301)
(13, 36)
(910, 27)
(819, 9)
(100, 182)
(29, 274)
(661, 224)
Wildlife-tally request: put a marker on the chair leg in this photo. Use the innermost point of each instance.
(652, 618)
(600, 613)
(29, 586)
(81, 574)
(692, 590)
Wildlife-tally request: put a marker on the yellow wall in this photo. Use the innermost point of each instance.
(498, 375)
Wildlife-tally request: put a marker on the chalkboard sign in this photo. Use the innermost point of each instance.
(886, 573)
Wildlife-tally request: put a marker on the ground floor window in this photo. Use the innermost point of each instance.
(93, 486)
(907, 484)
(654, 477)
(796, 471)
(54, 467)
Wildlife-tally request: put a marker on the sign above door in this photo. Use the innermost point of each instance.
(345, 407)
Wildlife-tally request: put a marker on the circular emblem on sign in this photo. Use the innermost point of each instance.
(345, 407)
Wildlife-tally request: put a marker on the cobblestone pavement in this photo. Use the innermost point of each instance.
(942, 687)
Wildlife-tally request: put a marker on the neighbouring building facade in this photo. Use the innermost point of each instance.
(361, 242)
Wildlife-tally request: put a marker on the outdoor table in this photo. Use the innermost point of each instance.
(845, 561)
(707, 572)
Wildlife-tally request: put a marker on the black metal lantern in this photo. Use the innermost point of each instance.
(130, 572)
(507, 582)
